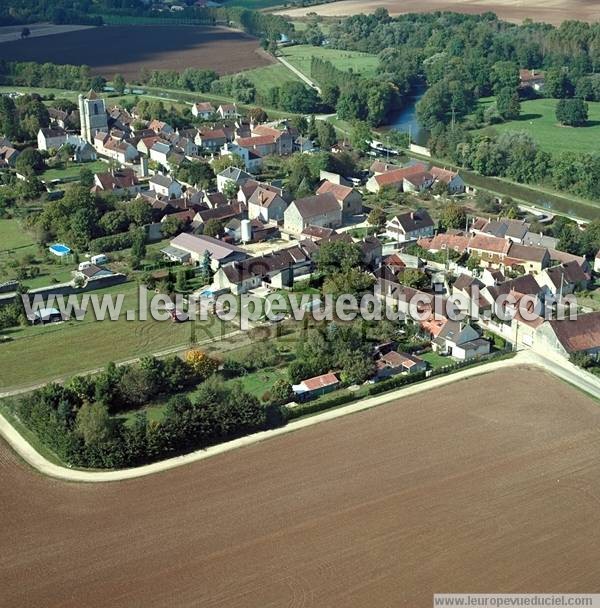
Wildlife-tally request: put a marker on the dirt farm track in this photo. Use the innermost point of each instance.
(549, 11)
(490, 484)
(127, 49)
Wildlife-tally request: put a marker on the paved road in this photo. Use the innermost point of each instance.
(304, 77)
(565, 371)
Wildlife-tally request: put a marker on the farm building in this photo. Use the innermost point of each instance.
(313, 387)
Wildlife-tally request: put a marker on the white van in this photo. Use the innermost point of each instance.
(84, 265)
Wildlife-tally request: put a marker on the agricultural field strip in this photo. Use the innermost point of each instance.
(127, 51)
(549, 12)
(459, 488)
(567, 372)
(11, 392)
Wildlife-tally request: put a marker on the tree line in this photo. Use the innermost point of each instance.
(517, 156)
(49, 75)
(82, 422)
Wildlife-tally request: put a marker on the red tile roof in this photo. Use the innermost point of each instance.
(256, 140)
(398, 175)
(579, 335)
(313, 384)
(443, 175)
(457, 242)
(489, 244)
(340, 192)
(204, 106)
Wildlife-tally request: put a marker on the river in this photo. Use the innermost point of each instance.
(405, 120)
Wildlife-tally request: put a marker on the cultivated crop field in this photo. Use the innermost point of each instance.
(468, 488)
(549, 11)
(127, 49)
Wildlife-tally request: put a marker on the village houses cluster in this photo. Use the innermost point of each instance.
(510, 258)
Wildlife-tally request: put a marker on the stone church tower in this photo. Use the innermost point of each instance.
(92, 115)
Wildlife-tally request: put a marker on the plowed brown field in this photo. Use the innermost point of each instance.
(127, 49)
(548, 11)
(490, 484)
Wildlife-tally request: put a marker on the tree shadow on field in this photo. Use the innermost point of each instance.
(591, 123)
(528, 117)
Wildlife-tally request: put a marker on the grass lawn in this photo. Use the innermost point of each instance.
(257, 383)
(50, 274)
(66, 349)
(12, 236)
(15, 244)
(302, 25)
(343, 127)
(435, 360)
(154, 412)
(360, 63)
(538, 118)
(71, 172)
(268, 77)
(58, 93)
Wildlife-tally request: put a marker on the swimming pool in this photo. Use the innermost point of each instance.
(60, 249)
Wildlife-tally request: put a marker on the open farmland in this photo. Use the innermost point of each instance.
(549, 11)
(128, 49)
(464, 488)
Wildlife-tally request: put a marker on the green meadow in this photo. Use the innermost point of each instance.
(538, 118)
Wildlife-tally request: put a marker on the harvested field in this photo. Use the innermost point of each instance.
(127, 49)
(549, 11)
(469, 488)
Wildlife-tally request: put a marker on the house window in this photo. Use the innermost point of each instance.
(95, 109)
